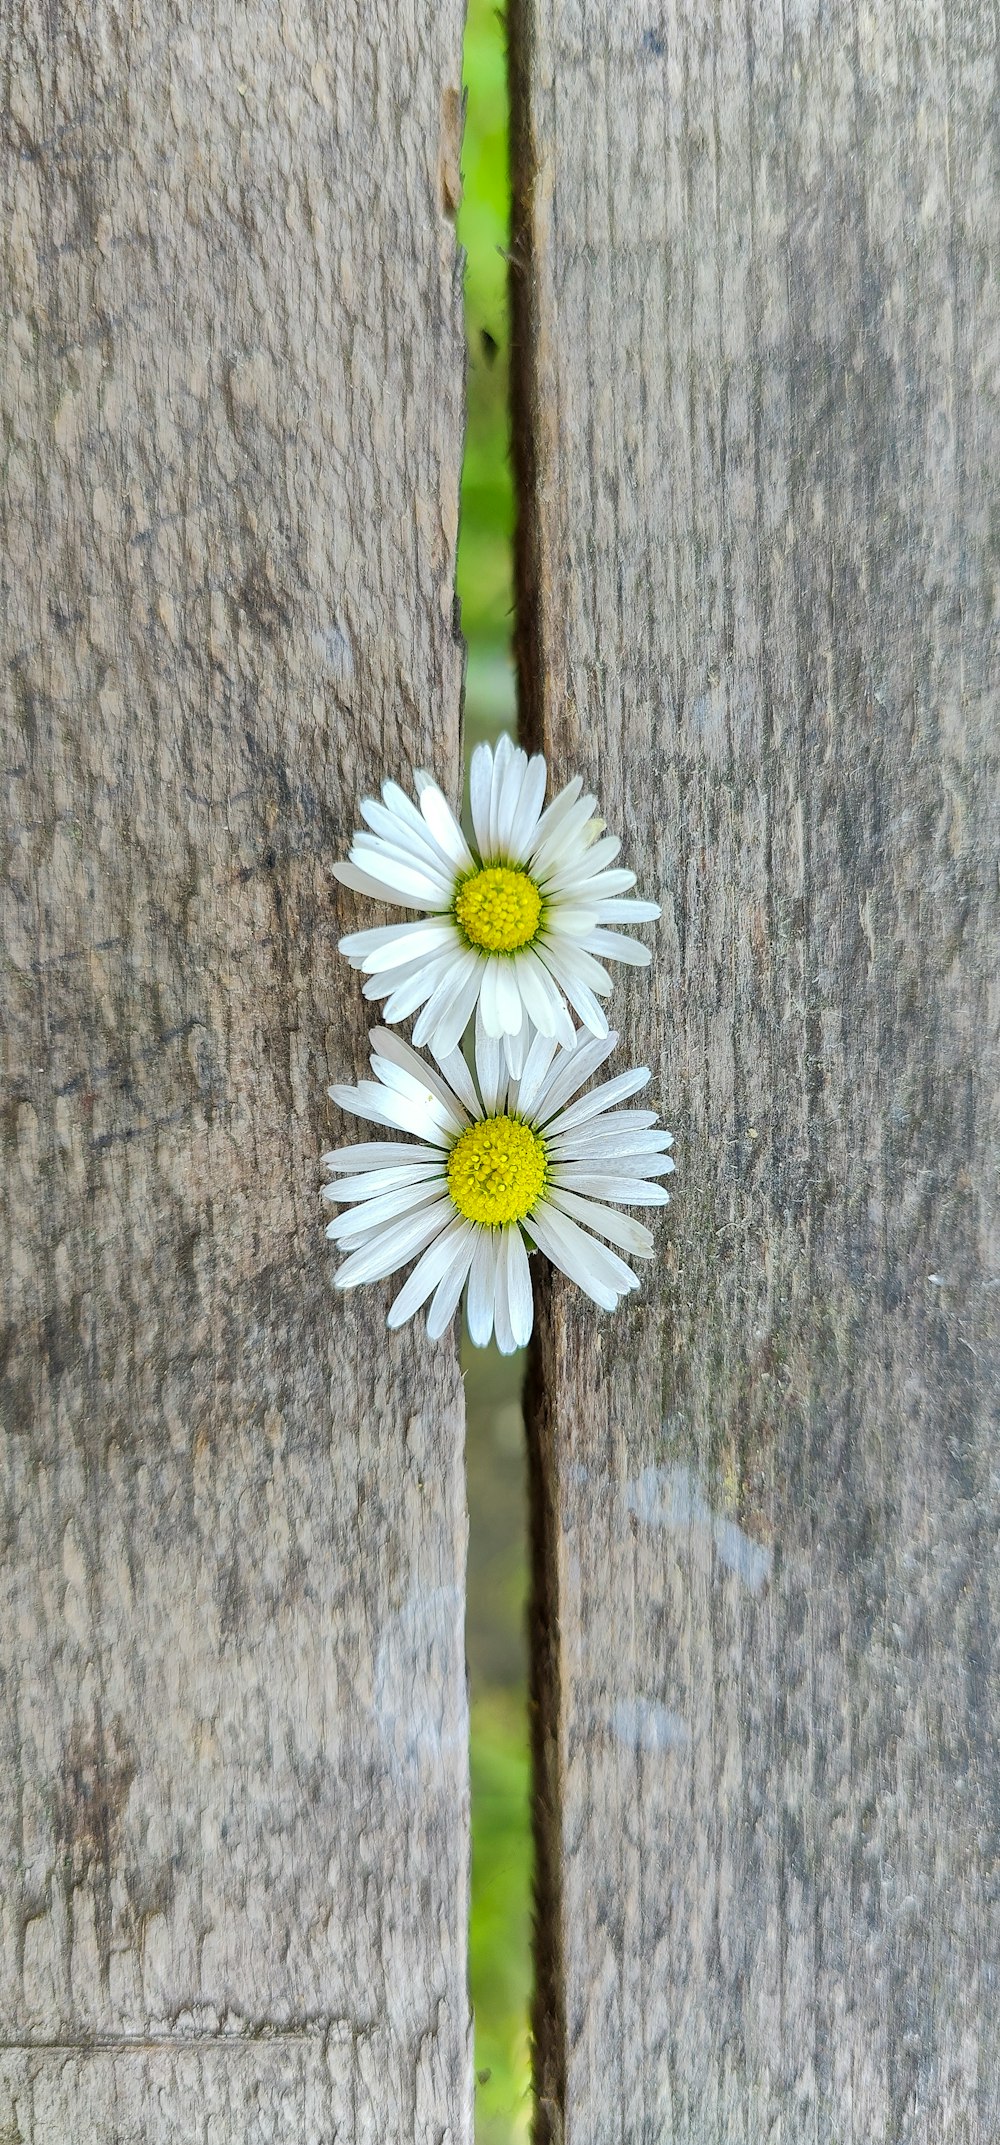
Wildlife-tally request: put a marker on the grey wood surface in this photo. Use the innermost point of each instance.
(759, 332)
(233, 1737)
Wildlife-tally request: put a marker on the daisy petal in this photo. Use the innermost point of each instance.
(559, 846)
(398, 875)
(489, 996)
(450, 986)
(451, 1021)
(519, 1299)
(508, 997)
(607, 884)
(544, 1228)
(366, 1220)
(444, 827)
(487, 1063)
(403, 808)
(622, 1191)
(502, 753)
(364, 882)
(445, 1253)
(502, 1328)
(602, 1098)
(616, 947)
(578, 870)
(510, 797)
(557, 813)
(358, 944)
(393, 1246)
(535, 1072)
(460, 1080)
(420, 1076)
(427, 1095)
(524, 827)
(482, 1289)
(369, 1099)
(480, 784)
(403, 993)
(421, 940)
(414, 840)
(580, 997)
(629, 1235)
(617, 1122)
(444, 1303)
(628, 912)
(571, 958)
(597, 1144)
(374, 1154)
(570, 1070)
(371, 1182)
(515, 1049)
(587, 1259)
(539, 994)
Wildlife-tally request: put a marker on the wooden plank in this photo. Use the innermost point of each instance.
(234, 1741)
(757, 312)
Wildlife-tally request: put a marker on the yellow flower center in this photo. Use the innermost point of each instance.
(496, 1171)
(498, 908)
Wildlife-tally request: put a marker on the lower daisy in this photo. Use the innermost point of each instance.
(497, 1165)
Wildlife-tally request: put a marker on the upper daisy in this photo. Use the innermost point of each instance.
(492, 1166)
(516, 926)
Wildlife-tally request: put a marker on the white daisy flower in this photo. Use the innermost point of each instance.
(516, 926)
(495, 1165)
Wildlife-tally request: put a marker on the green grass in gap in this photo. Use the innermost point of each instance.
(500, 1937)
(501, 1917)
(500, 1934)
(485, 538)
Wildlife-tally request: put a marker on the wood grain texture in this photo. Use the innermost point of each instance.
(233, 1737)
(759, 337)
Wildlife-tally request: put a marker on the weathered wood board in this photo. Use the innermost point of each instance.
(759, 326)
(233, 1739)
